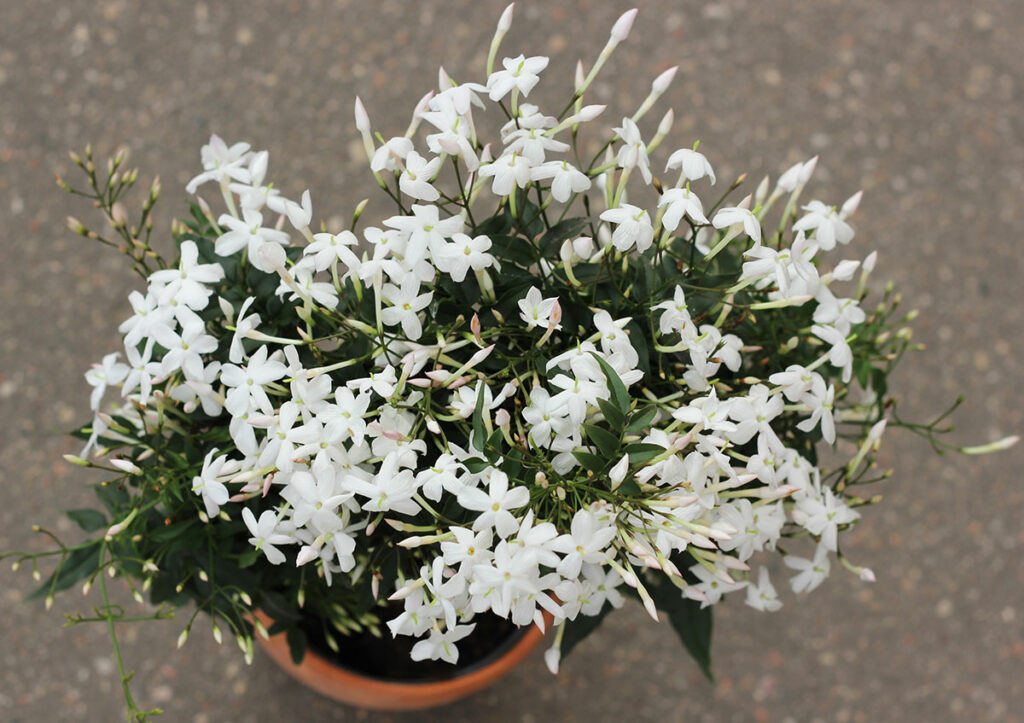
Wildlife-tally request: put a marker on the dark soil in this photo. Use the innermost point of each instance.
(387, 658)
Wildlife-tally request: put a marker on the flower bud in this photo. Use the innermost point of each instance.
(505, 21)
(622, 26)
(126, 465)
(362, 118)
(663, 81)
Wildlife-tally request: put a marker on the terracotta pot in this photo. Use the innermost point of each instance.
(346, 686)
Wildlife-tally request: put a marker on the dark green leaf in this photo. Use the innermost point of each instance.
(619, 394)
(606, 442)
(615, 418)
(88, 520)
(590, 461)
(296, 643)
(76, 566)
(640, 422)
(570, 228)
(640, 452)
(581, 627)
(691, 623)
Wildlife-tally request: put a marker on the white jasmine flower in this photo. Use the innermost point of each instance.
(462, 254)
(821, 514)
(692, 165)
(220, 163)
(186, 347)
(415, 179)
(633, 227)
(326, 248)
(441, 645)
(681, 202)
(109, 371)
(187, 284)
(840, 355)
(828, 226)
(148, 315)
(736, 216)
(520, 72)
(565, 179)
(811, 573)
(587, 543)
(496, 504)
(762, 596)
(386, 157)
(509, 171)
(248, 233)
(406, 303)
(213, 492)
(633, 151)
(537, 311)
(266, 534)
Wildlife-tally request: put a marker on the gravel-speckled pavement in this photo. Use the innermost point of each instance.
(919, 102)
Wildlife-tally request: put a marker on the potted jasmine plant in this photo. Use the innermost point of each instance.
(505, 407)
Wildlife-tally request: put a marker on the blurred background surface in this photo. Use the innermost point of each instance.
(918, 102)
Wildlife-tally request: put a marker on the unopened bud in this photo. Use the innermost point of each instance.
(663, 81)
(362, 118)
(505, 21)
(622, 26)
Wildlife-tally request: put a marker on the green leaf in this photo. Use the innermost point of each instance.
(88, 520)
(606, 442)
(640, 452)
(691, 623)
(479, 431)
(296, 643)
(581, 627)
(640, 422)
(619, 394)
(78, 565)
(616, 419)
(248, 558)
(590, 461)
(552, 240)
(113, 497)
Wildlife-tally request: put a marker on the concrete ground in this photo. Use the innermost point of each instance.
(919, 102)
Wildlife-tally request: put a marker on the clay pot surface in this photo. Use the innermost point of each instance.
(347, 686)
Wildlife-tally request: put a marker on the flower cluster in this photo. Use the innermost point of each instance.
(521, 394)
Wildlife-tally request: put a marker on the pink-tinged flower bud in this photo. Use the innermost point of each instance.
(663, 81)
(505, 21)
(362, 118)
(443, 79)
(308, 553)
(589, 112)
(375, 585)
(266, 484)
(622, 26)
(502, 418)
(476, 328)
(851, 204)
(580, 76)
(867, 575)
(479, 356)
(807, 170)
(666, 123)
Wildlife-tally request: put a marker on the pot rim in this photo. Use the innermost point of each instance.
(348, 686)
